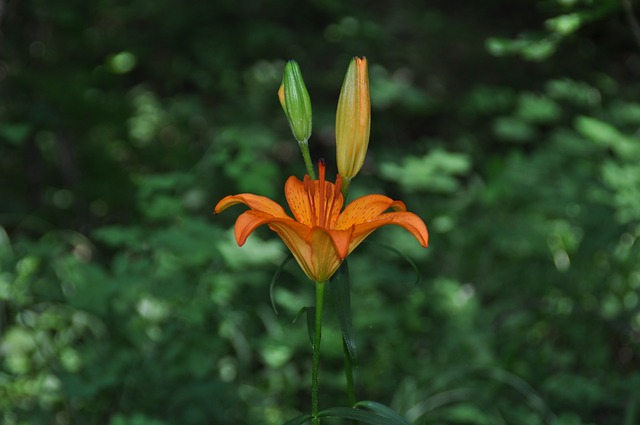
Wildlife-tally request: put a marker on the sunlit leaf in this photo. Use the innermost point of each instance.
(499, 46)
(537, 109)
(434, 172)
(513, 129)
(605, 134)
(565, 24)
(539, 50)
(576, 92)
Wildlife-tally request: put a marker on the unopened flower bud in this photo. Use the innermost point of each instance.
(353, 119)
(295, 101)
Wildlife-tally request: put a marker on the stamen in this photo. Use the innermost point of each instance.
(332, 199)
(309, 186)
(339, 183)
(330, 203)
(321, 195)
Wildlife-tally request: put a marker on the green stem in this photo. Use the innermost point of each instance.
(304, 147)
(348, 374)
(345, 188)
(316, 353)
(348, 366)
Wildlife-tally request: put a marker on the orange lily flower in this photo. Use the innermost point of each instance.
(322, 235)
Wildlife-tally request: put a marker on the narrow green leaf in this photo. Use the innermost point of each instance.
(299, 420)
(437, 401)
(401, 255)
(359, 415)
(534, 399)
(383, 410)
(311, 323)
(341, 289)
(311, 320)
(300, 313)
(274, 279)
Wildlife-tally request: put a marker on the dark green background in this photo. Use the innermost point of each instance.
(510, 127)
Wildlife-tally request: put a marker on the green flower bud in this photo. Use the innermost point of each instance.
(295, 101)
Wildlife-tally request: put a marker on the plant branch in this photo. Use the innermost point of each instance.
(304, 147)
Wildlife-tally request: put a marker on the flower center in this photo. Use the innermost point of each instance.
(323, 198)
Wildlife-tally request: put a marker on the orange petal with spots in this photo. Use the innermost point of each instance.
(255, 202)
(298, 201)
(365, 209)
(312, 206)
(406, 220)
(250, 220)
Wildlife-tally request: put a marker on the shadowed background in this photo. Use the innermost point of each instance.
(511, 128)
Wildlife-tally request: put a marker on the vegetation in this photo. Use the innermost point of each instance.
(511, 128)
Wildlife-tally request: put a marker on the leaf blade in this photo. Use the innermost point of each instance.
(401, 255)
(299, 420)
(359, 415)
(274, 279)
(382, 410)
(341, 290)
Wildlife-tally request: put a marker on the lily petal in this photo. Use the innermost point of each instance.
(324, 258)
(313, 249)
(365, 209)
(250, 220)
(255, 202)
(341, 241)
(298, 200)
(406, 220)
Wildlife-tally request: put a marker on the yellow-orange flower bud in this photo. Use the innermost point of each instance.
(353, 119)
(295, 101)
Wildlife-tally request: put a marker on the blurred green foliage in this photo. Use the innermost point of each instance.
(510, 127)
